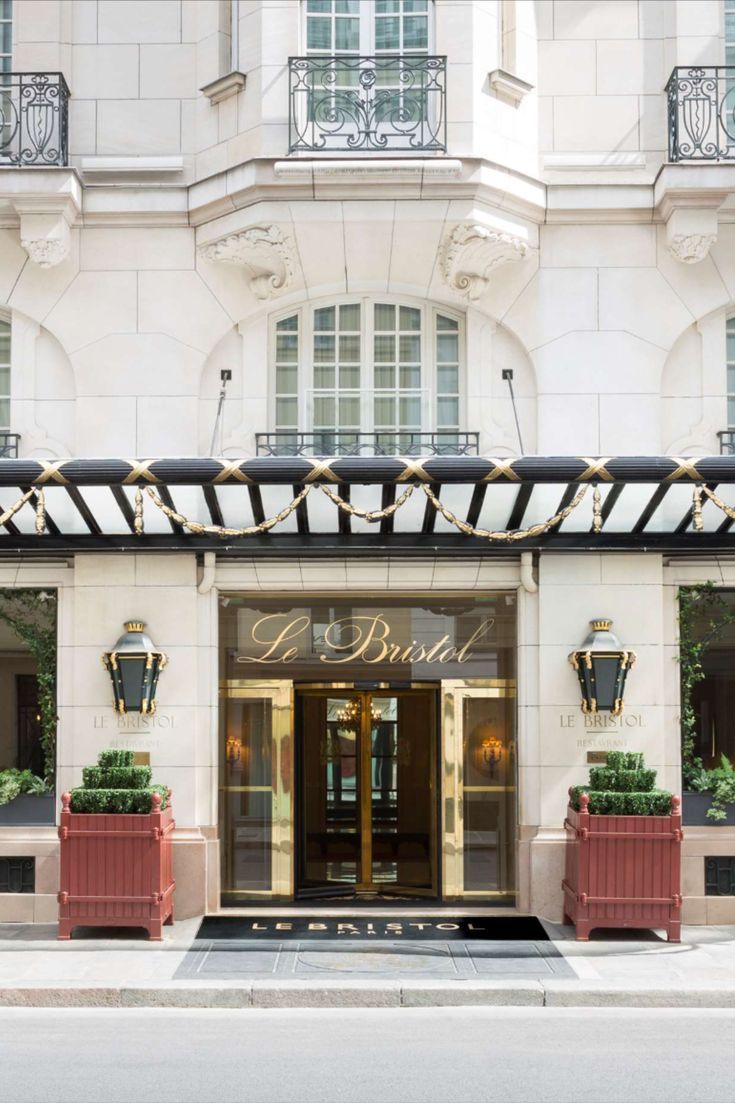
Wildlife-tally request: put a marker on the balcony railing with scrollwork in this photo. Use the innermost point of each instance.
(702, 113)
(9, 445)
(34, 119)
(387, 103)
(393, 443)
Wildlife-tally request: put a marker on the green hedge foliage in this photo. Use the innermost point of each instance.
(622, 781)
(116, 777)
(623, 788)
(625, 760)
(116, 785)
(116, 800)
(657, 802)
(114, 757)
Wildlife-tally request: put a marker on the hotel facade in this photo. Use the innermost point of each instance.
(366, 351)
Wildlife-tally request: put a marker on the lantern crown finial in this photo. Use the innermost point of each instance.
(134, 625)
(601, 624)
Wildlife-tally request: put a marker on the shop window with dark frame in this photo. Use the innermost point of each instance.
(713, 696)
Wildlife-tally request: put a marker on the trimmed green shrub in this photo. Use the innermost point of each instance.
(116, 785)
(623, 788)
(657, 802)
(115, 757)
(116, 800)
(622, 781)
(720, 782)
(625, 760)
(116, 777)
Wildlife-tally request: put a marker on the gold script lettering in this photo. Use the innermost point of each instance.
(365, 639)
(273, 654)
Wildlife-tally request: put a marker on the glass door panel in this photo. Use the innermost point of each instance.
(402, 790)
(255, 818)
(330, 792)
(479, 782)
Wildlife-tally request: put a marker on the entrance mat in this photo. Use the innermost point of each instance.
(445, 928)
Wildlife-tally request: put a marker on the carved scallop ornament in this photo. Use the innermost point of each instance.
(265, 252)
(471, 253)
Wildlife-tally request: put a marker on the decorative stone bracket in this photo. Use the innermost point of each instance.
(471, 253)
(45, 222)
(265, 252)
(690, 233)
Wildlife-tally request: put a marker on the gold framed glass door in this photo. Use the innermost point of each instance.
(366, 807)
(255, 791)
(479, 772)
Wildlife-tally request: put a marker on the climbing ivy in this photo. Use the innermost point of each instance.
(703, 617)
(32, 616)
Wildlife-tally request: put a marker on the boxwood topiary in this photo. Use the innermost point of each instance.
(623, 788)
(113, 756)
(115, 785)
(116, 777)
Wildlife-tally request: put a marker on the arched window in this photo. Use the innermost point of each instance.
(368, 375)
(4, 376)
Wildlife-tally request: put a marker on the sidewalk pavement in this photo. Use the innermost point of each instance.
(614, 969)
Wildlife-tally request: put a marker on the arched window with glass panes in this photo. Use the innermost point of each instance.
(367, 377)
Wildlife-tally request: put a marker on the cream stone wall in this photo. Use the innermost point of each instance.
(578, 258)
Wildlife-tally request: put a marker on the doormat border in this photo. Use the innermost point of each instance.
(446, 928)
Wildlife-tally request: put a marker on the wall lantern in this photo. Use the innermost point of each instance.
(602, 665)
(134, 665)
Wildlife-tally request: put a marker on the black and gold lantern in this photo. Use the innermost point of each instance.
(602, 665)
(134, 665)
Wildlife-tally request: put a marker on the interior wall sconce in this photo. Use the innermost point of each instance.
(487, 749)
(602, 665)
(134, 664)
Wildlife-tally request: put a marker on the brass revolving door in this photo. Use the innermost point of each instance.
(366, 806)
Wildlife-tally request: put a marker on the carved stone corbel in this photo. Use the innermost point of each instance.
(471, 253)
(692, 231)
(45, 229)
(265, 252)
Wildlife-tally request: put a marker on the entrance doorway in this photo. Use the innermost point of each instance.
(366, 796)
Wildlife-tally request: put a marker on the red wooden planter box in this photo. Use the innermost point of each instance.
(623, 871)
(116, 869)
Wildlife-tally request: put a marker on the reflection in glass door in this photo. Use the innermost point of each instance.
(479, 779)
(255, 806)
(367, 818)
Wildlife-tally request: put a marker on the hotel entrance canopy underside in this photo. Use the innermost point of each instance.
(452, 506)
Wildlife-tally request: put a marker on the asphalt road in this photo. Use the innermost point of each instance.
(367, 1056)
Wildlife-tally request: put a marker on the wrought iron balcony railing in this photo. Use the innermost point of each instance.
(386, 103)
(339, 443)
(34, 119)
(727, 442)
(702, 113)
(9, 445)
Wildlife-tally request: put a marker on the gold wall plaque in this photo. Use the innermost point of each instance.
(597, 758)
(142, 758)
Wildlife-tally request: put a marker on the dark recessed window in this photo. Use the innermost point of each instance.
(17, 874)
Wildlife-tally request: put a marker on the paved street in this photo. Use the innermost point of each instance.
(457, 1055)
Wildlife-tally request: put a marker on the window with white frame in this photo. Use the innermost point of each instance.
(390, 370)
(4, 376)
(729, 32)
(731, 372)
(6, 36)
(368, 26)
